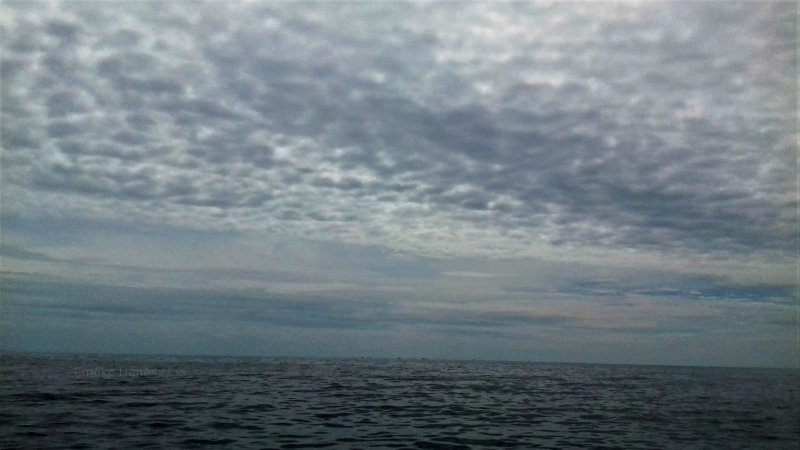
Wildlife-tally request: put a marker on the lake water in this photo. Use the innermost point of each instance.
(59, 401)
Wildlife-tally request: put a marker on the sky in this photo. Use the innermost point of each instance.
(542, 181)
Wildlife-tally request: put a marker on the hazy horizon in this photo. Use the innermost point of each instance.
(111, 356)
(546, 182)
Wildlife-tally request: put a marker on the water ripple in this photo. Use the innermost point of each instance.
(91, 402)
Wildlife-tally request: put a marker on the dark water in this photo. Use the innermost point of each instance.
(83, 401)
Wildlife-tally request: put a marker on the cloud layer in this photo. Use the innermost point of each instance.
(415, 126)
(548, 179)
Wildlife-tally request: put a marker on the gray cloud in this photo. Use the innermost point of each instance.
(695, 288)
(18, 252)
(53, 299)
(637, 319)
(651, 135)
(614, 133)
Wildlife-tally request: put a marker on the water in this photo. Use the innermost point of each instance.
(188, 402)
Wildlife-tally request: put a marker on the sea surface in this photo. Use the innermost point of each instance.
(81, 401)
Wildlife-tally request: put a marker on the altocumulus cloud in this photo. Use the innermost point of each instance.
(456, 143)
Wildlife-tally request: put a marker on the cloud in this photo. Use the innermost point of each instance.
(376, 152)
(687, 287)
(635, 320)
(387, 128)
(15, 251)
(54, 298)
(460, 273)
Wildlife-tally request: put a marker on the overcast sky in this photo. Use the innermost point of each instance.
(588, 182)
